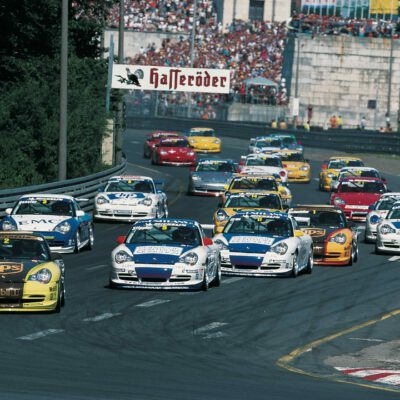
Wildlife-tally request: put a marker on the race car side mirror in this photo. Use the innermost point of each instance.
(8, 211)
(207, 241)
(121, 239)
(226, 187)
(298, 233)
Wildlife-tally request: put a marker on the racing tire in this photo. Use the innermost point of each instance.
(153, 160)
(77, 242)
(295, 269)
(205, 285)
(217, 279)
(90, 244)
(354, 255)
(60, 298)
(310, 264)
(165, 211)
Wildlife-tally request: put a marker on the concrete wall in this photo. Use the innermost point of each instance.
(338, 75)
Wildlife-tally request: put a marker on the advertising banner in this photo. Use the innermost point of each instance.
(383, 7)
(145, 77)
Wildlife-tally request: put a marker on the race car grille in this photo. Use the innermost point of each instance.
(180, 278)
(123, 213)
(245, 267)
(154, 280)
(128, 278)
(392, 245)
(56, 243)
(329, 255)
(270, 266)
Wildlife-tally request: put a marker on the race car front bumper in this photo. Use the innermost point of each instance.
(297, 176)
(207, 189)
(355, 213)
(124, 212)
(331, 254)
(370, 232)
(389, 243)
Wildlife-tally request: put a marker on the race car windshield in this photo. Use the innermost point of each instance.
(288, 141)
(362, 187)
(174, 143)
(319, 218)
(165, 234)
(386, 203)
(130, 186)
(293, 157)
(42, 206)
(339, 164)
(269, 202)
(215, 167)
(256, 225)
(268, 143)
(269, 162)
(257, 184)
(23, 249)
(206, 133)
(364, 174)
(394, 213)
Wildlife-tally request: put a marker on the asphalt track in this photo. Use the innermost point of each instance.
(223, 344)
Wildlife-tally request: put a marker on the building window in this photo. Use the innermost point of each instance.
(256, 10)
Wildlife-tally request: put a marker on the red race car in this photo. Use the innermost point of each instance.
(173, 151)
(153, 139)
(355, 194)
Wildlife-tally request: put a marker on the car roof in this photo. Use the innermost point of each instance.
(127, 177)
(361, 178)
(344, 158)
(170, 139)
(264, 213)
(229, 160)
(357, 169)
(182, 221)
(48, 196)
(321, 207)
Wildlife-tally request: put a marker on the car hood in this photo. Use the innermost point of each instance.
(158, 253)
(175, 150)
(319, 235)
(222, 177)
(261, 169)
(366, 199)
(41, 223)
(16, 270)
(250, 243)
(124, 197)
(202, 139)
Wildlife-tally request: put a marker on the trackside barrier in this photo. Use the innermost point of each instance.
(85, 187)
(344, 140)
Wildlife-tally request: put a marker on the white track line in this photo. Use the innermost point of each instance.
(366, 340)
(394, 258)
(97, 267)
(152, 303)
(209, 327)
(231, 280)
(214, 335)
(38, 335)
(101, 317)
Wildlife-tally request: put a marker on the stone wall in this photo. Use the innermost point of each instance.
(339, 74)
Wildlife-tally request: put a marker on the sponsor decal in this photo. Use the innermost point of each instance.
(316, 232)
(7, 268)
(173, 251)
(252, 240)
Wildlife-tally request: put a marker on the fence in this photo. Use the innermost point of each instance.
(85, 187)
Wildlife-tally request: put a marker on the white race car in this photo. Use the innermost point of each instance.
(130, 198)
(262, 243)
(377, 213)
(165, 254)
(266, 164)
(347, 172)
(265, 144)
(388, 232)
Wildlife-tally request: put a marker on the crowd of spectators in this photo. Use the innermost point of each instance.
(174, 16)
(336, 25)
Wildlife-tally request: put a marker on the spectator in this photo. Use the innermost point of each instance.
(306, 126)
(333, 122)
(339, 122)
(274, 124)
(309, 113)
(363, 123)
(282, 124)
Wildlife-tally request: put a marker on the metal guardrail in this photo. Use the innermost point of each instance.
(85, 187)
(344, 140)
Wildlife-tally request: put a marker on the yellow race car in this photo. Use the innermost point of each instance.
(31, 278)
(257, 183)
(297, 167)
(245, 201)
(203, 140)
(332, 167)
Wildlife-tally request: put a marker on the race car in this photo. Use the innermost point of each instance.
(297, 167)
(335, 243)
(378, 212)
(263, 243)
(264, 144)
(210, 176)
(173, 151)
(245, 201)
(259, 183)
(262, 164)
(388, 232)
(128, 198)
(165, 254)
(332, 167)
(58, 217)
(31, 278)
(366, 172)
(153, 139)
(289, 142)
(204, 140)
(355, 195)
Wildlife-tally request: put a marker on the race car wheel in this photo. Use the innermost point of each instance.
(77, 242)
(60, 298)
(354, 254)
(295, 268)
(165, 210)
(205, 285)
(310, 264)
(217, 279)
(91, 237)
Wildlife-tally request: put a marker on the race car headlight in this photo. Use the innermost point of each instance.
(221, 215)
(330, 175)
(217, 141)
(221, 244)
(340, 238)
(190, 258)
(338, 201)
(102, 200)
(122, 257)
(282, 174)
(196, 178)
(42, 276)
(304, 168)
(8, 226)
(146, 202)
(280, 248)
(191, 141)
(386, 229)
(191, 153)
(63, 227)
(374, 220)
